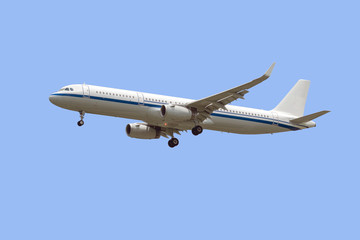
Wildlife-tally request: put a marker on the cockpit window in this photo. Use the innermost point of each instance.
(66, 89)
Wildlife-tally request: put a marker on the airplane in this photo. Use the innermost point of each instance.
(165, 115)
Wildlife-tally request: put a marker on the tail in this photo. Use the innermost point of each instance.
(294, 102)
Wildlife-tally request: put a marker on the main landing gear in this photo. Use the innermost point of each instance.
(173, 142)
(197, 130)
(81, 122)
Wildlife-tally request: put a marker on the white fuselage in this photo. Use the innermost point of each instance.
(146, 107)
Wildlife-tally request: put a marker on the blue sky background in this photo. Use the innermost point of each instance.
(59, 181)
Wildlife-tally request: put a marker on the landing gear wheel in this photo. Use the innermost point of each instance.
(81, 122)
(197, 130)
(173, 142)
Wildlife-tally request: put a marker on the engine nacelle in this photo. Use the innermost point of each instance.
(176, 113)
(142, 131)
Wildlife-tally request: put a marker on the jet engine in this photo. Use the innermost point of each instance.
(176, 113)
(142, 131)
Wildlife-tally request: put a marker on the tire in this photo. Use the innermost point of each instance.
(173, 142)
(197, 130)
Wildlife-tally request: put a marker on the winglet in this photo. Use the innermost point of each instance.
(268, 72)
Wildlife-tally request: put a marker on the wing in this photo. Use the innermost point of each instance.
(208, 105)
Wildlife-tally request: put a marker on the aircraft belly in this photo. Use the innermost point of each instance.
(115, 109)
(240, 126)
(75, 103)
(132, 111)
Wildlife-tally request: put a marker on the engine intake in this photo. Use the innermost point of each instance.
(142, 131)
(176, 113)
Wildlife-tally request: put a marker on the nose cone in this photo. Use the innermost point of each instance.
(53, 99)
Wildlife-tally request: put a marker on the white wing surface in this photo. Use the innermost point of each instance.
(208, 105)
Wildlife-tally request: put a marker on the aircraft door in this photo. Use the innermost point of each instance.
(275, 118)
(86, 90)
(140, 99)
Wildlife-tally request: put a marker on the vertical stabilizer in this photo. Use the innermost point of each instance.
(294, 102)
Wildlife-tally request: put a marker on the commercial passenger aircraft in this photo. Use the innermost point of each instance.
(166, 116)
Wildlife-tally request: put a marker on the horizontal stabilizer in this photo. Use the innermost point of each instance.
(308, 118)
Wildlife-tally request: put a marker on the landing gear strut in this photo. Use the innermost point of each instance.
(197, 130)
(81, 122)
(173, 142)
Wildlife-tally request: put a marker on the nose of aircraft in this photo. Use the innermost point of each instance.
(52, 99)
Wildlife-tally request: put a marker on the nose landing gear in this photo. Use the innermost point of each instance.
(81, 122)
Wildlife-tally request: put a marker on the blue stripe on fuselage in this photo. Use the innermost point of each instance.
(96, 98)
(215, 114)
(271, 122)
